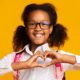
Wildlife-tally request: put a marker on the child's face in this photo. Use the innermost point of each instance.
(38, 28)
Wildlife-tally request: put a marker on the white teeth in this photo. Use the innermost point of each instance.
(38, 35)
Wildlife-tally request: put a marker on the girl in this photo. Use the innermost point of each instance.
(33, 59)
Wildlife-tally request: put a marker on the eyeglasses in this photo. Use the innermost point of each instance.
(43, 25)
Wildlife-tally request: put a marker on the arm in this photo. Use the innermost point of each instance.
(72, 66)
(72, 60)
(30, 63)
(5, 63)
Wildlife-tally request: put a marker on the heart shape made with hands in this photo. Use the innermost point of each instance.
(47, 57)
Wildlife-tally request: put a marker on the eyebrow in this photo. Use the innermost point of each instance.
(38, 21)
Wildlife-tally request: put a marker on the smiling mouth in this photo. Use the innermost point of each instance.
(39, 35)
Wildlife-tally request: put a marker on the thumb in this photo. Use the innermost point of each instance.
(39, 54)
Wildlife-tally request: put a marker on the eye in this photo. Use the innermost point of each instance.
(45, 23)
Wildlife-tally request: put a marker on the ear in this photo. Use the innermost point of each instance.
(51, 29)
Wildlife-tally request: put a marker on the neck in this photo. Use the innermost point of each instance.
(33, 47)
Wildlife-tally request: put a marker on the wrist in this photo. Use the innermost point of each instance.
(68, 59)
(25, 65)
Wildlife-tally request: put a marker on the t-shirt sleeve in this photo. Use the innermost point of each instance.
(68, 66)
(5, 63)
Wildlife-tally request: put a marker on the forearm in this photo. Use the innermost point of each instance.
(69, 59)
(19, 65)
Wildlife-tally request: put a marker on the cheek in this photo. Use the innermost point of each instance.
(29, 32)
(47, 33)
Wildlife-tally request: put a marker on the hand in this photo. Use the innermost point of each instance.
(32, 61)
(56, 57)
(59, 58)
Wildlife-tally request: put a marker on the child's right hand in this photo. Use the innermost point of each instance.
(30, 63)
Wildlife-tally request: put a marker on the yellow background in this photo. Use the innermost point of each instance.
(68, 14)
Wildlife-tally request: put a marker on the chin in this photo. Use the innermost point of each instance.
(39, 43)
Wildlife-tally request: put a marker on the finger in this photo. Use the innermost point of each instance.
(51, 63)
(54, 54)
(46, 54)
(40, 65)
(48, 64)
(39, 54)
(49, 54)
(32, 58)
(36, 55)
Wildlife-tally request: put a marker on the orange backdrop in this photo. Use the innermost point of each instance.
(68, 14)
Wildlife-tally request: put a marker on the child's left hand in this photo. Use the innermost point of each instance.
(56, 57)
(59, 58)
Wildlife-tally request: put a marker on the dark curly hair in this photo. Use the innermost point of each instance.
(56, 38)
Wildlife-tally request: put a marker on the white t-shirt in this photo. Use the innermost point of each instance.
(37, 73)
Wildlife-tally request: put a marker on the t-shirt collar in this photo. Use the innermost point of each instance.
(41, 48)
